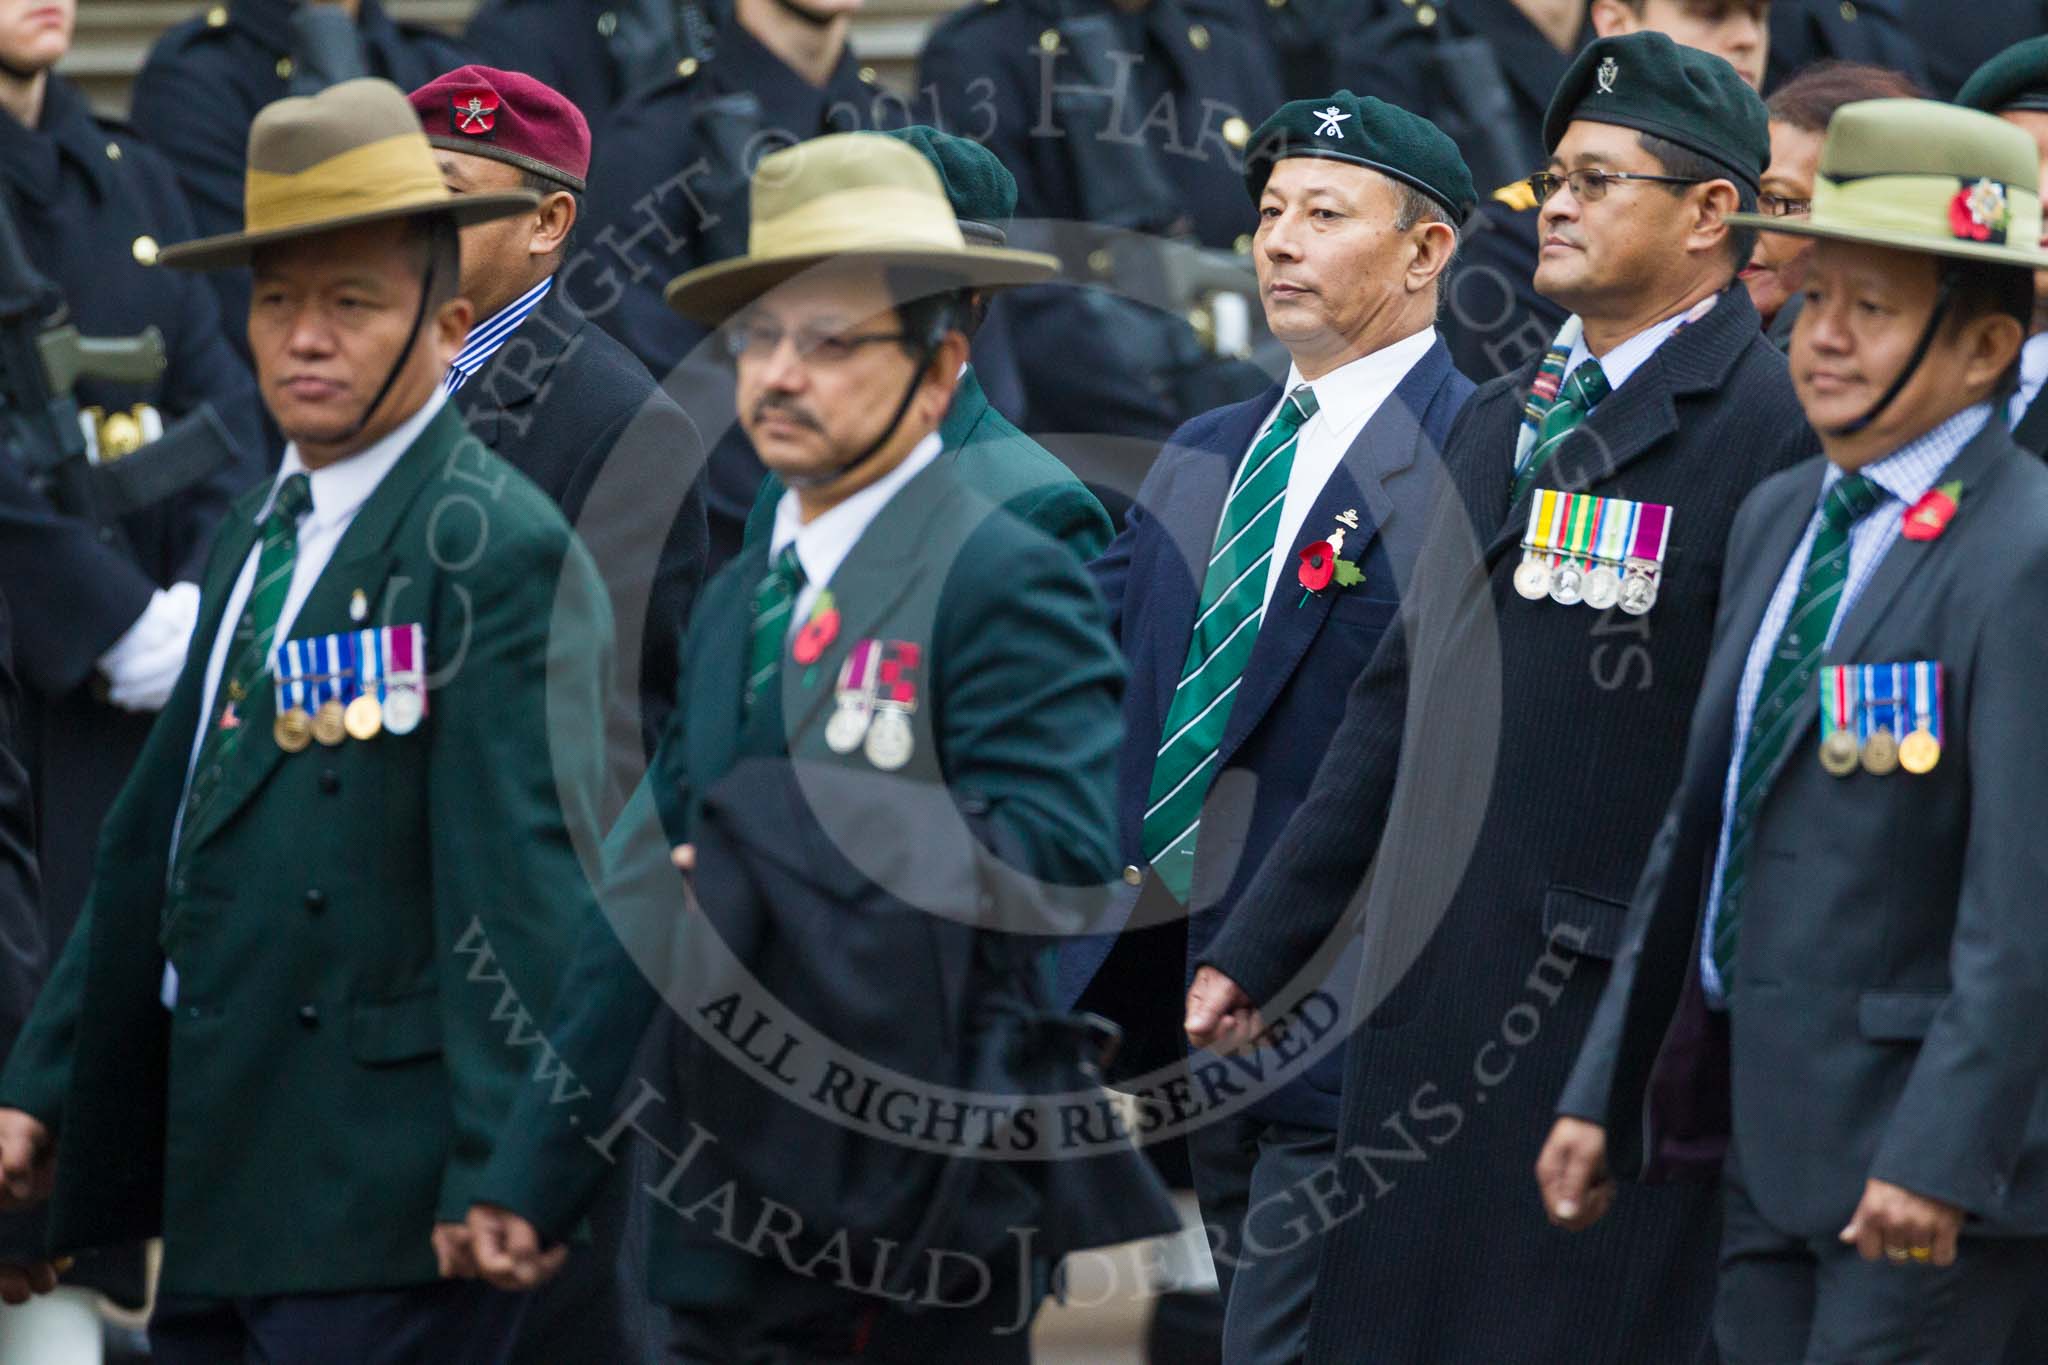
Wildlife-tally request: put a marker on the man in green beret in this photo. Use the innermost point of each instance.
(1835, 967)
(1006, 466)
(1532, 700)
(283, 1034)
(2014, 86)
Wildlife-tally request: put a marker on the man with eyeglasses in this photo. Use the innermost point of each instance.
(897, 731)
(1541, 696)
(1495, 316)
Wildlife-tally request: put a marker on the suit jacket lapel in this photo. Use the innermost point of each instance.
(361, 559)
(1641, 414)
(1383, 448)
(970, 404)
(718, 673)
(1193, 511)
(537, 345)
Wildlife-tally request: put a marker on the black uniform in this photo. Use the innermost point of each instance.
(1957, 39)
(669, 192)
(1125, 121)
(206, 78)
(593, 51)
(1493, 317)
(1807, 31)
(24, 956)
(92, 203)
(1478, 69)
(572, 410)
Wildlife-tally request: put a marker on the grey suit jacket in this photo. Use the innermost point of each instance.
(1889, 1013)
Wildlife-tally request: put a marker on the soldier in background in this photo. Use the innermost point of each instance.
(206, 78)
(594, 51)
(1957, 39)
(1125, 125)
(1872, 32)
(2014, 86)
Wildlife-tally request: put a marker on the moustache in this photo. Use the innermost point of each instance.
(789, 410)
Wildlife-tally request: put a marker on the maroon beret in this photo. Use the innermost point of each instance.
(507, 117)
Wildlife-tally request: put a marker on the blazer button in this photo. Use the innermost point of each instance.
(309, 1016)
(1134, 876)
(330, 781)
(316, 900)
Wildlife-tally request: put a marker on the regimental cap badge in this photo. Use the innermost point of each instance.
(1605, 74)
(1331, 122)
(475, 112)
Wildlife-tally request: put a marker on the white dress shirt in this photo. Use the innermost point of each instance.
(824, 542)
(339, 491)
(1346, 398)
(1625, 358)
(1905, 475)
(2033, 376)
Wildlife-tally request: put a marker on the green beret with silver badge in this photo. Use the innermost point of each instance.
(1647, 82)
(1365, 132)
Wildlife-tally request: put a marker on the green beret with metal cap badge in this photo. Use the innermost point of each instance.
(1366, 132)
(1647, 82)
(980, 188)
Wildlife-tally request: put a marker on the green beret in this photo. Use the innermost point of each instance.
(980, 188)
(1681, 94)
(1365, 132)
(2016, 78)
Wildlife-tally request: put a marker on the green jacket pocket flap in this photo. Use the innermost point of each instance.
(400, 1030)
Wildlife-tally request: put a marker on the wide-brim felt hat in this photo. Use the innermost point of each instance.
(1919, 175)
(350, 155)
(848, 199)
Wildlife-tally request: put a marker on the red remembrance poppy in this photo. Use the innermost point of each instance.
(1929, 517)
(1318, 565)
(818, 632)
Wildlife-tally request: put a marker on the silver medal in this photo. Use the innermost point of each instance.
(1532, 579)
(848, 726)
(1565, 583)
(889, 740)
(1638, 594)
(403, 707)
(1602, 587)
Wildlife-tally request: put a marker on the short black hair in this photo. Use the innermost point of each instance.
(543, 186)
(437, 245)
(1978, 289)
(1687, 164)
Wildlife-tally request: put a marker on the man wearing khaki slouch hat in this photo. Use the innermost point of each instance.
(1833, 974)
(263, 1041)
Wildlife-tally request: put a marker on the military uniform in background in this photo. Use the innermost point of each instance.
(1957, 39)
(1118, 122)
(593, 51)
(206, 78)
(1872, 31)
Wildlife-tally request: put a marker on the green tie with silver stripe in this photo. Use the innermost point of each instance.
(249, 654)
(1778, 710)
(1233, 604)
(774, 597)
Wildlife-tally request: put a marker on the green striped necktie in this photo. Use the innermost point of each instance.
(774, 599)
(1779, 711)
(248, 657)
(1583, 390)
(1233, 603)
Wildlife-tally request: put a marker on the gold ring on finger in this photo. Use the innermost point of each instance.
(1923, 1253)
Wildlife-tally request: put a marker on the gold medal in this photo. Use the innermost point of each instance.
(364, 718)
(1838, 753)
(293, 730)
(1919, 752)
(1880, 753)
(327, 724)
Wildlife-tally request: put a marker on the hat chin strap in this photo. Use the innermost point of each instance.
(419, 316)
(1942, 299)
(826, 477)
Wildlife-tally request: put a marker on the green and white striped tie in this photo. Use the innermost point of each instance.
(1233, 604)
(774, 598)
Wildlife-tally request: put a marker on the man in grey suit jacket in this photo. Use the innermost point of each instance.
(1835, 968)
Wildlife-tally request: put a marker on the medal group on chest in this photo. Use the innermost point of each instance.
(1604, 552)
(354, 685)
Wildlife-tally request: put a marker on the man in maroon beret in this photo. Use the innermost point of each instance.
(568, 406)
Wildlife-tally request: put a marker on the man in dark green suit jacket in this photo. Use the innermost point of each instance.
(991, 455)
(288, 1027)
(894, 748)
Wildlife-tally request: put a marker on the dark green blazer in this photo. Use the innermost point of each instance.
(360, 932)
(1002, 464)
(1018, 724)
